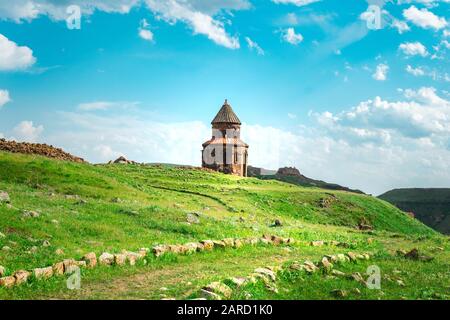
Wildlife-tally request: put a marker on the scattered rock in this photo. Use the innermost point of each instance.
(120, 259)
(132, 257)
(2, 235)
(337, 273)
(4, 197)
(43, 273)
(116, 200)
(277, 240)
(352, 256)
(357, 277)
(356, 291)
(106, 259)
(210, 295)
(207, 244)
(7, 282)
(266, 272)
(309, 267)
(238, 243)
(68, 265)
(238, 282)
(91, 259)
(55, 221)
(6, 248)
(277, 223)
(317, 243)
(160, 250)
(415, 255)
(325, 264)
(21, 276)
(219, 288)
(59, 252)
(58, 268)
(219, 244)
(229, 242)
(193, 218)
(339, 293)
(2, 271)
(30, 214)
(191, 247)
(46, 243)
(400, 283)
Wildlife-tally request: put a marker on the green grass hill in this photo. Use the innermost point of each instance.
(84, 208)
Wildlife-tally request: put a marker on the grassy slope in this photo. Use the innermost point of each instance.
(153, 207)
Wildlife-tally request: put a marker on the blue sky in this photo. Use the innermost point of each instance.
(335, 96)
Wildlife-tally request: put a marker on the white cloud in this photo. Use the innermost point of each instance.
(290, 36)
(413, 49)
(415, 71)
(381, 72)
(292, 116)
(144, 31)
(201, 23)
(4, 97)
(299, 3)
(14, 57)
(254, 46)
(105, 105)
(424, 18)
(425, 114)
(26, 131)
(446, 33)
(27, 10)
(198, 14)
(146, 34)
(401, 26)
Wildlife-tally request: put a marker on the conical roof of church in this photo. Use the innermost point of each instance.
(226, 115)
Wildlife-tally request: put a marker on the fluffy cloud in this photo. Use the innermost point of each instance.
(424, 18)
(254, 46)
(423, 115)
(415, 71)
(198, 14)
(4, 97)
(26, 131)
(144, 31)
(413, 49)
(26, 10)
(299, 3)
(381, 72)
(201, 23)
(290, 36)
(401, 26)
(14, 57)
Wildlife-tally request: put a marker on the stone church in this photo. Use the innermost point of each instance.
(225, 151)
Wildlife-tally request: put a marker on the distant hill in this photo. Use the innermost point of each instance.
(431, 206)
(293, 176)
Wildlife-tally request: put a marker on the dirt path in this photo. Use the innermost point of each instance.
(182, 278)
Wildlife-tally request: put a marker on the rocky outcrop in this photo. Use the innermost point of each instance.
(4, 197)
(122, 160)
(38, 149)
(293, 176)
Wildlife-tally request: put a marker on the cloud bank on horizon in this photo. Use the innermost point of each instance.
(318, 87)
